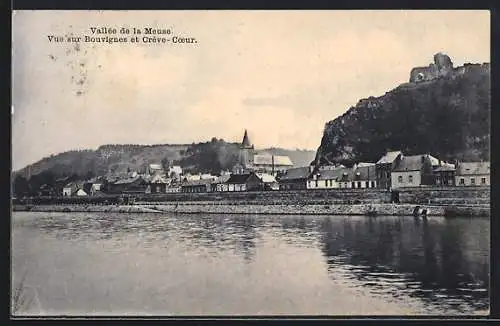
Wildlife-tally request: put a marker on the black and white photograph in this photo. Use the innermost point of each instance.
(250, 163)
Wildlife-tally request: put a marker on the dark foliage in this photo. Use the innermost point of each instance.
(447, 117)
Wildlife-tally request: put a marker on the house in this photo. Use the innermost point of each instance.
(414, 171)
(97, 183)
(346, 178)
(220, 184)
(191, 177)
(176, 169)
(326, 178)
(175, 172)
(364, 176)
(245, 182)
(473, 174)
(171, 188)
(269, 181)
(445, 174)
(384, 167)
(360, 176)
(129, 185)
(207, 176)
(70, 189)
(197, 186)
(295, 178)
(158, 184)
(155, 169)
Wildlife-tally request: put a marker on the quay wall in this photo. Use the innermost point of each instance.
(417, 195)
(445, 195)
(278, 209)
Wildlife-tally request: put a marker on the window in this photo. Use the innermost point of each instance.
(450, 182)
(353, 184)
(400, 179)
(359, 184)
(410, 179)
(373, 184)
(483, 181)
(462, 181)
(316, 184)
(472, 181)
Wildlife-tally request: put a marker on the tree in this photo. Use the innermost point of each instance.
(165, 163)
(21, 186)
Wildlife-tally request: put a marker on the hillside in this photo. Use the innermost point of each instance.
(443, 111)
(212, 156)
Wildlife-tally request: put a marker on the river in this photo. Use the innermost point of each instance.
(155, 264)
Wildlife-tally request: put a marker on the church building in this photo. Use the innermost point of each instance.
(250, 161)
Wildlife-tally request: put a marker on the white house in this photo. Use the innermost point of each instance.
(325, 179)
(473, 174)
(70, 189)
(220, 184)
(269, 181)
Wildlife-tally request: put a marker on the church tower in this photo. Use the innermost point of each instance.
(246, 152)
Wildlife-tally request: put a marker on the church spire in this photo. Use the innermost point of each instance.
(246, 142)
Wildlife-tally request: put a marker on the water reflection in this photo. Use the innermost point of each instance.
(425, 259)
(442, 263)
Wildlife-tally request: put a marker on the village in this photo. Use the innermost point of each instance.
(265, 172)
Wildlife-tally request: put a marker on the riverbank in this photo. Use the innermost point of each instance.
(235, 208)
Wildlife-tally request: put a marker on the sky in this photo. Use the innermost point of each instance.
(280, 74)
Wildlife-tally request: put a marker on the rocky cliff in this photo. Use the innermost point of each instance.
(444, 111)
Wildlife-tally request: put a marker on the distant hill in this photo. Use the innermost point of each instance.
(444, 111)
(212, 156)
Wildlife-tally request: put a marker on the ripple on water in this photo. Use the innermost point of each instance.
(214, 255)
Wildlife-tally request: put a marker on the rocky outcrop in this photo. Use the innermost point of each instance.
(445, 112)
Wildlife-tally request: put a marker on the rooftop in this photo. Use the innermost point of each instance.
(222, 179)
(155, 166)
(415, 162)
(473, 168)
(296, 173)
(266, 178)
(192, 183)
(239, 178)
(389, 157)
(158, 179)
(128, 180)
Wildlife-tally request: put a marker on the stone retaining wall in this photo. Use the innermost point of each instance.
(445, 195)
(364, 209)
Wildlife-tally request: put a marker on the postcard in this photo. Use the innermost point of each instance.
(250, 163)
